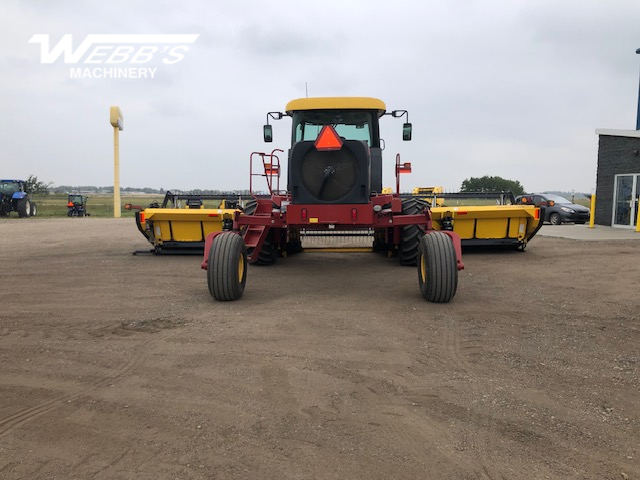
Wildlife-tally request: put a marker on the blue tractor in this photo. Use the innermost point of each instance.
(77, 205)
(14, 198)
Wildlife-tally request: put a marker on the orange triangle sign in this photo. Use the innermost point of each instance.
(328, 139)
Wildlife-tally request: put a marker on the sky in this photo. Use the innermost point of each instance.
(509, 88)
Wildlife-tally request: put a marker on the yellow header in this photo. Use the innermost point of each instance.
(336, 103)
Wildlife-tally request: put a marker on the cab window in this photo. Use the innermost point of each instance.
(350, 125)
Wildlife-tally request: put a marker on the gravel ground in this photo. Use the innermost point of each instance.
(114, 366)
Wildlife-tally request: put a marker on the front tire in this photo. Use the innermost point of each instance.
(555, 219)
(411, 234)
(227, 267)
(437, 268)
(34, 210)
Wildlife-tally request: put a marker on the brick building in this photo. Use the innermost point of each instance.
(618, 180)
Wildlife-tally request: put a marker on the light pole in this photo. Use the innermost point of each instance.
(638, 128)
(115, 115)
(638, 114)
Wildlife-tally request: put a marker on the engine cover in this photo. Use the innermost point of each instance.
(330, 176)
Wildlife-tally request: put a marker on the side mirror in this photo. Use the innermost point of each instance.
(406, 131)
(267, 133)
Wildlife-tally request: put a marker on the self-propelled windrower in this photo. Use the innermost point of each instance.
(334, 186)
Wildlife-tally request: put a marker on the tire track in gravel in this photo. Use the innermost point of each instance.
(476, 426)
(482, 428)
(413, 423)
(12, 422)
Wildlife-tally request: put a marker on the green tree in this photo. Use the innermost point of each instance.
(492, 184)
(33, 185)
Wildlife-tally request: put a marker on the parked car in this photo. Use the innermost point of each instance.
(557, 209)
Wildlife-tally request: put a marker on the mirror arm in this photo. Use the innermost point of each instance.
(406, 134)
(274, 115)
(267, 131)
(399, 114)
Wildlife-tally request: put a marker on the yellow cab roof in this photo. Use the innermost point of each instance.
(336, 103)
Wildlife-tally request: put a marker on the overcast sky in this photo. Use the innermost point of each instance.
(509, 88)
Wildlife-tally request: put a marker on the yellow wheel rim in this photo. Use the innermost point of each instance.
(423, 269)
(240, 268)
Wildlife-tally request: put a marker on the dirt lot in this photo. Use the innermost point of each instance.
(115, 366)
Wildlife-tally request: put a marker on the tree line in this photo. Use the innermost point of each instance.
(95, 189)
(473, 184)
(492, 184)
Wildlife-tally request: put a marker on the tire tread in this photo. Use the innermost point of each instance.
(411, 235)
(442, 270)
(222, 267)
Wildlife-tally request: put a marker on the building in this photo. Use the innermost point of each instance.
(618, 178)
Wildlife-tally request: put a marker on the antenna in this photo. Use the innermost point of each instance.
(306, 89)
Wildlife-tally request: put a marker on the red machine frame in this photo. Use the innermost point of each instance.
(276, 212)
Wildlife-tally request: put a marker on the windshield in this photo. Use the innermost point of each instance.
(557, 199)
(9, 187)
(350, 124)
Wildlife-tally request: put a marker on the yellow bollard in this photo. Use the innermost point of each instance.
(592, 214)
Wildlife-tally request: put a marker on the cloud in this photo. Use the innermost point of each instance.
(514, 89)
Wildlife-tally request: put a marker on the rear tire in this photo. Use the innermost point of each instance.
(380, 243)
(23, 207)
(437, 268)
(555, 219)
(294, 245)
(227, 267)
(411, 235)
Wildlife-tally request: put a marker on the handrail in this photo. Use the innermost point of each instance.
(400, 169)
(270, 169)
